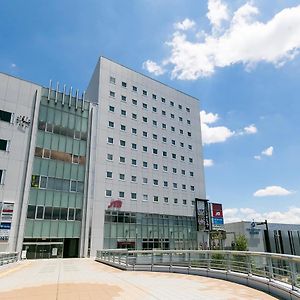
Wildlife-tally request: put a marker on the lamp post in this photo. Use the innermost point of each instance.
(268, 246)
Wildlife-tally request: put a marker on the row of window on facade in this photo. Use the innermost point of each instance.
(58, 155)
(56, 184)
(145, 135)
(145, 197)
(134, 116)
(112, 80)
(110, 141)
(58, 129)
(53, 213)
(154, 108)
(134, 179)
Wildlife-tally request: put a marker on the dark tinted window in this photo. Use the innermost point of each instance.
(71, 214)
(3, 144)
(63, 213)
(5, 116)
(48, 213)
(40, 212)
(31, 212)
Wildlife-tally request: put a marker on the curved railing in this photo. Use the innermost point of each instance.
(277, 274)
(8, 257)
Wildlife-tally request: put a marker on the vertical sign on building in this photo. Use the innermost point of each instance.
(202, 216)
(217, 216)
(6, 214)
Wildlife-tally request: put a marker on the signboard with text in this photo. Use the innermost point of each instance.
(217, 220)
(6, 215)
(202, 216)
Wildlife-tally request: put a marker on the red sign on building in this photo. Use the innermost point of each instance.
(217, 211)
(115, 204)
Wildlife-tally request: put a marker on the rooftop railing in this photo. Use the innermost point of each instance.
(276, 274)
(8, 257)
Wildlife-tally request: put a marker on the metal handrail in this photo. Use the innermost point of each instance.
(279, 268)
(8, 257)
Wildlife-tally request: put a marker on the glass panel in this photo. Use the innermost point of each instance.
(78, 214)
(38, 151)
(35, 181)
(55, 215)
(48, 212)
(39, 212)
(43, 182)
(63, 213)
(31, 211)
(71, 214)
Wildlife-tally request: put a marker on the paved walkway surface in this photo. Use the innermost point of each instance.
(85, 279)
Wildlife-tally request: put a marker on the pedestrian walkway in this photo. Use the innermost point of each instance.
(85, 279)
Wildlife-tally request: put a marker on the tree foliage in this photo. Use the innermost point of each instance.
(241, 243)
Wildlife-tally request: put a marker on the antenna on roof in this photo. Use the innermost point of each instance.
(50, 89)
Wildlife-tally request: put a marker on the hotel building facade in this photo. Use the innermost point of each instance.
(119, 166)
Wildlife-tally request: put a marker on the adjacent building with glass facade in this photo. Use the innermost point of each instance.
(119, 166)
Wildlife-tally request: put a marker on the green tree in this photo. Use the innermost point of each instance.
(241, 243)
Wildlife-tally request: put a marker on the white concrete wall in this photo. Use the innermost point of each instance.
(16, 96)
(101, 148)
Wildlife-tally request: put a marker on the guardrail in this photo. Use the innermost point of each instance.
(276, 274)
(8, 257)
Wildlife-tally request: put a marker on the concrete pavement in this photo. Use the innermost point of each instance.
(85, 279)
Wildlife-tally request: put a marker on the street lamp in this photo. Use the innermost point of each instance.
(268, 246)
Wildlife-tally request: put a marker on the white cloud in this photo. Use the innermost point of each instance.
(248, 214)
(268, 151)
(244, 40)
(217, 12)
(274, 190)
(258, 157)
(208, 162)
(185, 24)
(211, 135)
(153, 67)
(251, 129)
(13, 65)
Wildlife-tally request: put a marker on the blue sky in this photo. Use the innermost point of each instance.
(238, 57)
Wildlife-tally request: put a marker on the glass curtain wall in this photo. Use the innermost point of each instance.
(57, 183)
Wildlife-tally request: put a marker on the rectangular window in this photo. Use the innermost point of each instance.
(133, 178)
(165, 168)
(180, 119)
(174, 170)
(165, 153)
(43, 182)
(175, 200)
(5, 116)
(109, 156)
(123, 112)
(123, 127)
(63, 213)
(133, 196)
(191, 174)
(133, 146)
(190, 160)
(145, 197)
(134, 88)
(145, 164)
(179, 106)
(108, 193)
(133, 130)
(31, 211)
(188, 122)
(166, 184)
(154, 109)
(3, 145)
(189, 134)
(124, 84)
(182, 158)
(188, 110)
(181, 144)
(145, 180)
(154, 136)
(122, 143)
(71, 214)
(171, 103)
(111, 124)
(163, 112)
(163, 126)
(183, 186)
(155, 182)
(155, 151)
(145, 93)
(123, 98)
(172, 116)
(155, 166)
(109, 174)
(48, 213)
(163, 100)
(182, 172)
(145, 149)
(181, 131)
(145, 119)
(49, 127)
(184, 201)
(154, 96)
(145, 105)
(134, 162)
(112, 80)
(174, 185)
(134, 102)
(172, 128)
(110, 140)
(166, 200)
(122, 159)
(73, 186)
(55, 213)
(134, 116)
(39, 212)
(173, 142)
(122, 176)
(121, 194)
(2, 175)
(192, 188)
(112, 94)
(164, 139)
(111, 108)
(145, 133)
(190, 147)
(155, 198)
(173, 155)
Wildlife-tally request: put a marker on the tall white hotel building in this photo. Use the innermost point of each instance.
(119, 166)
